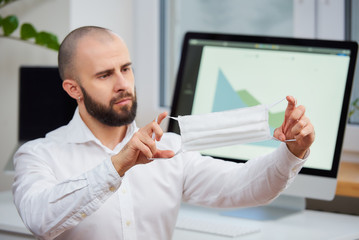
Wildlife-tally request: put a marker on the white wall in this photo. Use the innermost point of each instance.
(146, 59)
(49, 16)
(59, 17)
(112, 14)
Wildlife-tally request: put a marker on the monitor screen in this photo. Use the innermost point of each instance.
(220, 72)
(43, 104)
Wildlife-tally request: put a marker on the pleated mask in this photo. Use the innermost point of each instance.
(219, 129)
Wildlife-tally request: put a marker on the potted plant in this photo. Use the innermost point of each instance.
(354, 106)
(28, 32)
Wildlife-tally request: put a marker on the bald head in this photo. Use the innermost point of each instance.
(68, 48)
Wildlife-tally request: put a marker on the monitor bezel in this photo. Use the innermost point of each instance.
(352, 46)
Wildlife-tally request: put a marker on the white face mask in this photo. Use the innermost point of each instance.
(219, 129)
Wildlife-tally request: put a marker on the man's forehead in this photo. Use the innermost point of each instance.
(103, 36)
(98, 42)
(101, 54)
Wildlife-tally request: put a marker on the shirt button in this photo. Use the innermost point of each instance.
(83, 215)
(124, 190)
(112, 189)
(128, 223)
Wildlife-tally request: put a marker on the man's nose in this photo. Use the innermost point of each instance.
(121, 83)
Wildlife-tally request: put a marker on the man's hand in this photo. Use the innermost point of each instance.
(296, 126)
(141, 147)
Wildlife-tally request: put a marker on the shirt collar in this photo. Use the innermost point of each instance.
(78, 132)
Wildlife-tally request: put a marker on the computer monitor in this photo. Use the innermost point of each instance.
(43, 104)
(219, 72)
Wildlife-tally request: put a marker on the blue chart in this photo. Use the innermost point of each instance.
(227, 98)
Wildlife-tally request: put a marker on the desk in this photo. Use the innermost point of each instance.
(304, 225)
(308, 225)
(348, 179)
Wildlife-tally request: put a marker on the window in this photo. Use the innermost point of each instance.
(255, 17)
(352, 9)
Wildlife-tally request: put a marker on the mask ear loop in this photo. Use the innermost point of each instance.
(153, 137)
(174, 118)
(272, 105)
(275, 103)
(156, 120)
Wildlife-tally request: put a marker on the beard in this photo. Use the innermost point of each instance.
(106, 114)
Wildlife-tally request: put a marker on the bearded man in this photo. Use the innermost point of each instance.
(95, 178)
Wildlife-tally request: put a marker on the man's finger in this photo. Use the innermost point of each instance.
(291, 103)
(164, 154)
(278, 134)
(161, 117)
(288, 111)
(299, 126)
(144, 144)
(296, 114)
(155, 131)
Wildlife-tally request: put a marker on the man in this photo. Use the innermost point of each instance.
(93, 179)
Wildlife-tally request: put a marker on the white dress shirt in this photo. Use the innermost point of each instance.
(67, 188)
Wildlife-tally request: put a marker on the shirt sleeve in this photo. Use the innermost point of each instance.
(217, 183)
(49, 207)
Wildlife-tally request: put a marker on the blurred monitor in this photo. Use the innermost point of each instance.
(220, 72)
(43, 104)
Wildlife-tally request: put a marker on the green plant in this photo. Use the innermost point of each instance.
(28, 32)
(354, 107)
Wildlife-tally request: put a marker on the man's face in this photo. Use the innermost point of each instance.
(106, 80)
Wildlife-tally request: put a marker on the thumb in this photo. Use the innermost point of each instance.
(164, 154)
(278, 134)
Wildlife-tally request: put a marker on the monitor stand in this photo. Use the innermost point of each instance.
(281, 207)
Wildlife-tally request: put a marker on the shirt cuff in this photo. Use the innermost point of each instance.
(105, 179)
(288, 164)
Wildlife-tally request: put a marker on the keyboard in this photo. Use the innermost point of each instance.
(212, 226)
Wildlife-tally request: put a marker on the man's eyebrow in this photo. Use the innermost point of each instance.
(104, 72)
(107, 71)
(126, 64)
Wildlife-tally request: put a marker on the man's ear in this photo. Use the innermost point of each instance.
(72, 88)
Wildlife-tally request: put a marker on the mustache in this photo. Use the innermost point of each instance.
(121, 96)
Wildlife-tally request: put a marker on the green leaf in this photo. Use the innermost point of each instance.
(9, 24)
(4, 2)
(351, 113)
(47, 39)
(54, 46)
(0, 20)
(27, 31)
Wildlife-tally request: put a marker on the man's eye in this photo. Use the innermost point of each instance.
(126, 69)
(104, 76)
